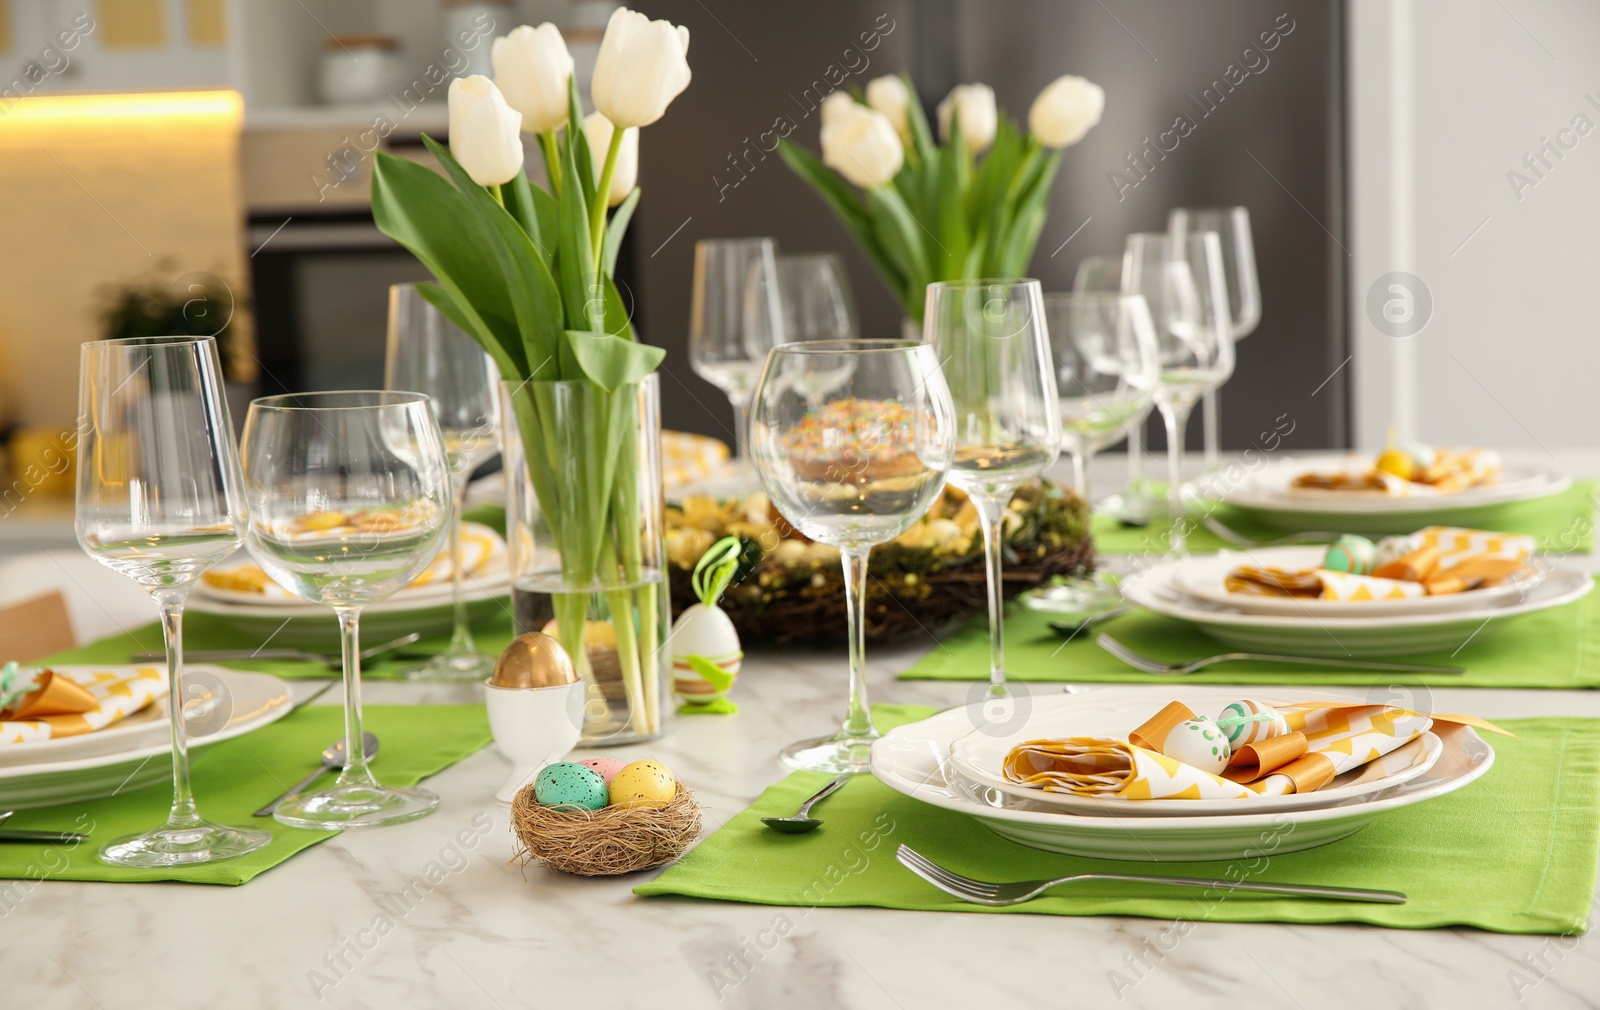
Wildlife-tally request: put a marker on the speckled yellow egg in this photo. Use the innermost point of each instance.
(643, 784)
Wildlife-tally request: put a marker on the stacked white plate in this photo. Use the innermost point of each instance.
(1268, 494)
(427, 609)
(952, 761)
(133, 753)
(1191, 589)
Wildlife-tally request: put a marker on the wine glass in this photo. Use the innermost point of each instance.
(814, 297)
(349, 496)
(991, 341)
(1131, 505)
(160, 500)
(1106, 368)
(853, 471)
(734, 320)
(427, 353)
(1181, 279)
(1232, 225)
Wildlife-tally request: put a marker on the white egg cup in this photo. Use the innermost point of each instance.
(533, 726)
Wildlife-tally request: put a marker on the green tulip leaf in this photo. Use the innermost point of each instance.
(611, 362)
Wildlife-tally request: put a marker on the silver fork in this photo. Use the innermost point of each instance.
(984, 892)
(1238, 539)
(1148, 665)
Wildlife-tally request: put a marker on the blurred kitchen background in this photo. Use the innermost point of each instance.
(203, 166)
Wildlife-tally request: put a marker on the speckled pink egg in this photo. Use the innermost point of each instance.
(607, 767)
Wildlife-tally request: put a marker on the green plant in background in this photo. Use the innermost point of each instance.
(159, 305)
(528, 273)
(968, 206)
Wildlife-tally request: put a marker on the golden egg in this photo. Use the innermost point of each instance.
(533, 660)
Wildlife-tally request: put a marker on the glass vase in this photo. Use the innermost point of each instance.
(585, 536)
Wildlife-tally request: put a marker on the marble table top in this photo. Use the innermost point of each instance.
(489, 935)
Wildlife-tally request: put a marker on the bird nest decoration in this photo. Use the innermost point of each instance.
(604, 842)
(790, 589)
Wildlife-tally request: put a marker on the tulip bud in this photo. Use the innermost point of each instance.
(626, 173)
(888, 94)
(979, 119)
(531, 68)
(1065, 110)
(485, 132)
(834, 104)
(642, 66)
(861, 145)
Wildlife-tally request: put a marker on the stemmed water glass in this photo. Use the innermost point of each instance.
(853, 469)
(427, 353)
(1232, 226)
(734, 319)
(349, 496)
(1130, 506)
(160, 500)
(991, 342)
(814, 297)
(1181, 280)
(1106, 368)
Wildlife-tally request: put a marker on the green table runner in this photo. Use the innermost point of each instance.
(1555, 648)
(1563, 523)
(1513, 852)
(231, 780)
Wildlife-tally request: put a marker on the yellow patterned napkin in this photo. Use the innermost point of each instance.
(63, 705)
(1452, 470)
(480, 546)
(1318, 584)
(688, 459)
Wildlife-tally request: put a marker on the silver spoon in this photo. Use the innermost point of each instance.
(802, 821)
(332, 759)
(1072, 628)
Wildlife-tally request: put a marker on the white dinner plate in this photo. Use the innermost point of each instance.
(914, 760)
(1204, 577)
(978, 759)
(243, 702)
(1353, 637)
(1268, 496)
(306, 625)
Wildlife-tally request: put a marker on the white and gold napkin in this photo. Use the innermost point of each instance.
(63, 705)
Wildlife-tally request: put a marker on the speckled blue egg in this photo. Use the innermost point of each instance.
(567, 785)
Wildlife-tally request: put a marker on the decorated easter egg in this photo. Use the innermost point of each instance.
(567, 785)
(607, 767)
(1200, 743)
(1352, 554)
(1422, 456)
(1394, 548)
(643, 784)
(1245, 722)
(705, 655)
(1396, 462)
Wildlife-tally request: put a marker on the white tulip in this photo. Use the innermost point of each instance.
(643, 65)
(531, 69)
(485, 132)
(978, 115)
(1065, 110)
(626, 173)
(861, 145)
(889, 95)
(839, 101)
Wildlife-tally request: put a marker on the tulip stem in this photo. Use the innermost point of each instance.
(602, 196)
(552, 161)
(494, 191)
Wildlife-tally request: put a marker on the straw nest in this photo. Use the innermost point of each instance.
(600, 843)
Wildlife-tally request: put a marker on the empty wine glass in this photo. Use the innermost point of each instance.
(991, 341)
(814, 297)
(734, 320)
(853, 471)
(1232, 225)
(1106, 368)
(349, 496)
(160, 500)
(427, 353)
(1181, 279)
(1132, 505)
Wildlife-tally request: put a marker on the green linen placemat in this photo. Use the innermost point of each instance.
(1555, 648)
(1563, 523)
(208, 631)
(1513, 852)
(231, 780)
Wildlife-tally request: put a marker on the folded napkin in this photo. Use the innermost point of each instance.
(1296, 748)
(62, 705)
(479, 546)
(1449, 471)
(687, 459)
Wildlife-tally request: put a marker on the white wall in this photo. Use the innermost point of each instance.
(1446, 98)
